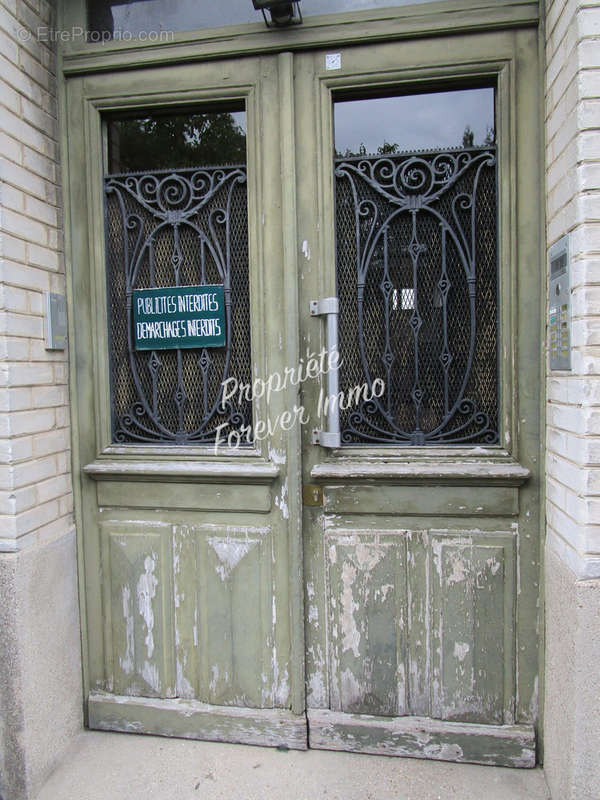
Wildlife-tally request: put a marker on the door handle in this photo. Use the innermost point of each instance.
(329, 307)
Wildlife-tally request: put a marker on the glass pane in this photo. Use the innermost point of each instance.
(176, 215)
(149, 19)
(414, 122)
(166, 141)
(416, 227)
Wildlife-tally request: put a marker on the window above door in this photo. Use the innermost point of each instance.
(115, 18)
(87, 43)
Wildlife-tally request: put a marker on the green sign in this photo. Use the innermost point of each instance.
(179, 316)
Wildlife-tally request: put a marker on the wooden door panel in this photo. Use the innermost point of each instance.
(224, 615)
(138, 610)
(366, 609)
(472, 607)
(419, 622)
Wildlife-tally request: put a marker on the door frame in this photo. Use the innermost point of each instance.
(97, 78)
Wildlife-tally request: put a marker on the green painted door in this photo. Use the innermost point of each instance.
(254, 569)
(417, 214)
(190, 537)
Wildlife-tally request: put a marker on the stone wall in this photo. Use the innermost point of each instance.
(40, 690)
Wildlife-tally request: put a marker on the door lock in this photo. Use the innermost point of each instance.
(312, 495)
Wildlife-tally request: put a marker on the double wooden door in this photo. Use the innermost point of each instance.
(262, 564)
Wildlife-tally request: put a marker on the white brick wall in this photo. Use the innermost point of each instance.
(573, 206)
(35, 483)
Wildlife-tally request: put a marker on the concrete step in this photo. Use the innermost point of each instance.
(116, 766)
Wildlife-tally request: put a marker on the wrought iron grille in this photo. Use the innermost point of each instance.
(177, 228)
(417, 281)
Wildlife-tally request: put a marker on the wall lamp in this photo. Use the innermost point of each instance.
(281, 12)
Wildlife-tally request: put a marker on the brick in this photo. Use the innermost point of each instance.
(10, 149)
(50, 397)
(28, 277)
(573, 419)
(60, 373)
(38, 352)
(585, 300)
(567, 473)
(41, 211)
(36, 303)
(62, 417)
(587, 53)
(14, 450)
(65, 505)
(592, 539)
(35, 115)
(12, 299)
(11, 198)
(588, 176)
(588, 22)
(588, 113)
(39, 163)
(34, 471)
(6, 477)
(55, 240)
(53, 488)
(58, 281)
(36, 71)
(22, 499)
(21, 325)
(30, 520)
(588, 146)
(588, 81)
(52, 442)
(569, 529)
(584, 363)
(585, 239)
(9, 98)
(42, 256)
(14, 349)
(17, 175)
(556, 493)
(583, 391)
(21, 423)
(15, 399)
(585, 332)
(25, 227)
(63, 462)
(28, 374)
(14, 125)
(19, 81)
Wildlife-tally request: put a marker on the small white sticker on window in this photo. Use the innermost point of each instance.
(333, 61)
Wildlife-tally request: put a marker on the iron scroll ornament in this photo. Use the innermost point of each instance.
(417, 281)
(176, 228)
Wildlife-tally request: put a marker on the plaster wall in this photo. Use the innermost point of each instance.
(40, 683)
(572, 680)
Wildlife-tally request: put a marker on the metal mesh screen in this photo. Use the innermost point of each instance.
(417, 281)
(176, 228)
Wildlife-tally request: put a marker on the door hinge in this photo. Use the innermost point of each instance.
(312, 495)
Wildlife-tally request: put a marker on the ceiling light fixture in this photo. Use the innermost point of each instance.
(281, 13)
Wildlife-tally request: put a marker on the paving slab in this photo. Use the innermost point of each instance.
(117, 766)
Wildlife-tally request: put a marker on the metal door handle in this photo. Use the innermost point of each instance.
(330, 307)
